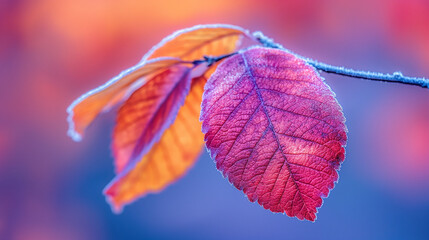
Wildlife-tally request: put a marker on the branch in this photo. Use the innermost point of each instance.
(375, 76)
(396, 77)
(212, 60)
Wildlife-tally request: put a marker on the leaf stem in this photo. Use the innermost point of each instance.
(212, 60)
(396, 77)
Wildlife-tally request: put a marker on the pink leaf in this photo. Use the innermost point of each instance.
(275, 130)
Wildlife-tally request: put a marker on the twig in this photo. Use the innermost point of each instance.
(396, 77)
(212, 60)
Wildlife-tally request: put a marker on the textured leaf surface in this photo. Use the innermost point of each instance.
(275, 130)
(188, 45)
(169, 159)
(148, 112)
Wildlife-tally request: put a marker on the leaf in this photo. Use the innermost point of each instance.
(188, 45)
(202, 40)
(169, 159)
(275, 130)
(148, 112)
(83, 111)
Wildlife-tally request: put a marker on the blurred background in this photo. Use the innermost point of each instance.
(53, 51)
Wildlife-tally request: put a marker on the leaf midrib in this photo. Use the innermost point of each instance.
(271, 126)
(156, 112)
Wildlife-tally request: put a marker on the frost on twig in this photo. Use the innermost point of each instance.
(396, 77)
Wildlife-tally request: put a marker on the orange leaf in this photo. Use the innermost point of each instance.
(199, 41)
(147, 113)
(188, 44)
(83, 111)
(168, 160)
(131, 119)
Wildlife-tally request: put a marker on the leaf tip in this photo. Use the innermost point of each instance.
(74, 135)
(72, 132)
(110, 193)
